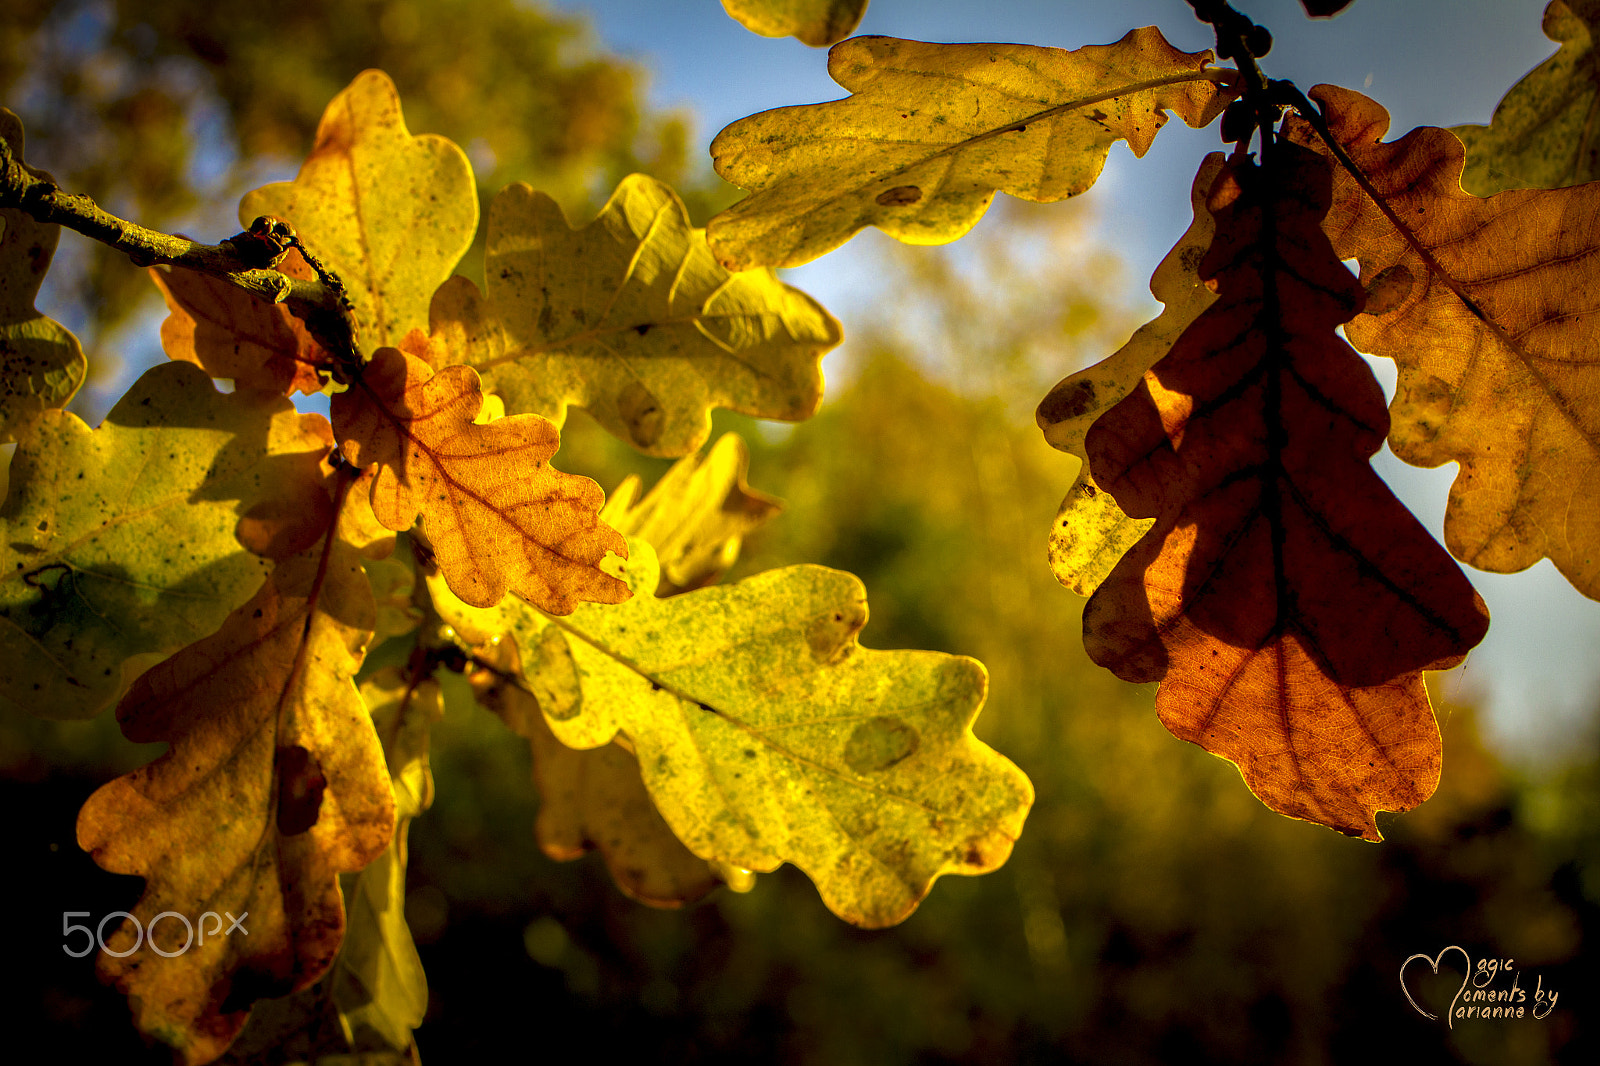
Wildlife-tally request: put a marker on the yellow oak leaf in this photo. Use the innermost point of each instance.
(594, 799)
(766, 735)
(121, 542)
(932, 131)
(497, 514)
(815, 22)
(389, 213)
(41, 362)
(1090, 532)
(696, 516)
(632, 319)
(273, 786)
(377, 982)
(1508, 384)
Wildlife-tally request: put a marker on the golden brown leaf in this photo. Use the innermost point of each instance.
(498, 515)
(230, 334)
(1508, 386)
(1090, 532)
(274, 785)
(1284, 598)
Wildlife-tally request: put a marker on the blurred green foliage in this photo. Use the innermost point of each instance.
(1153, 910)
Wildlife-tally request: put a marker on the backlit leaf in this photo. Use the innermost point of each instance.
(497, 514)
(1509, 388)
(377, 980)
(389, 213)
(931, 131)
(696, 516)
(1285, 600)
(231, 334)
(596, 800)
(274, 784)
(816, 22)
(41, 362)
(1091, 533)
(766, 735)
(631, 318)
(1543, 133)
(120, 542)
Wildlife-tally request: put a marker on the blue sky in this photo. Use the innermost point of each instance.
(1431, 62)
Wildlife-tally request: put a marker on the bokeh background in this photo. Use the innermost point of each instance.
(1153, 910)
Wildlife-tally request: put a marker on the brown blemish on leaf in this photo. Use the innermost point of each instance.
(641, 414)
(879, 743)
(832, 634)
(899, 196)
(1389, 289)
(301, 785)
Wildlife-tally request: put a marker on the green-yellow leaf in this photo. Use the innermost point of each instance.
(1091, 533)
(377, 980)
(766, 735)
(933, 130)
(595, 799)
(696, 516)
(1543, 134)
(119, 543)
(41, 362)
(815, 22)
(631, 318)
(389, 213)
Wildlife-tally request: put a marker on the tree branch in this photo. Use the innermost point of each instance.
(44, 201)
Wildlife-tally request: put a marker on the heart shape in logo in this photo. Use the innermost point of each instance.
(1434, 963)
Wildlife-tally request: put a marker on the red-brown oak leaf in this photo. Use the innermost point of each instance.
(274, 785)
(1285, 599)
(230, 334)
(498, 515)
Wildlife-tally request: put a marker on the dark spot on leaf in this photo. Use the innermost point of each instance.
(879, 743)
(641, 413)
(829, 634)
(1061, 404)
(300, 788)
(1389, 289)
(899, 196)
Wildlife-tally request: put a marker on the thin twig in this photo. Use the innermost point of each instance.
(45, 202)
